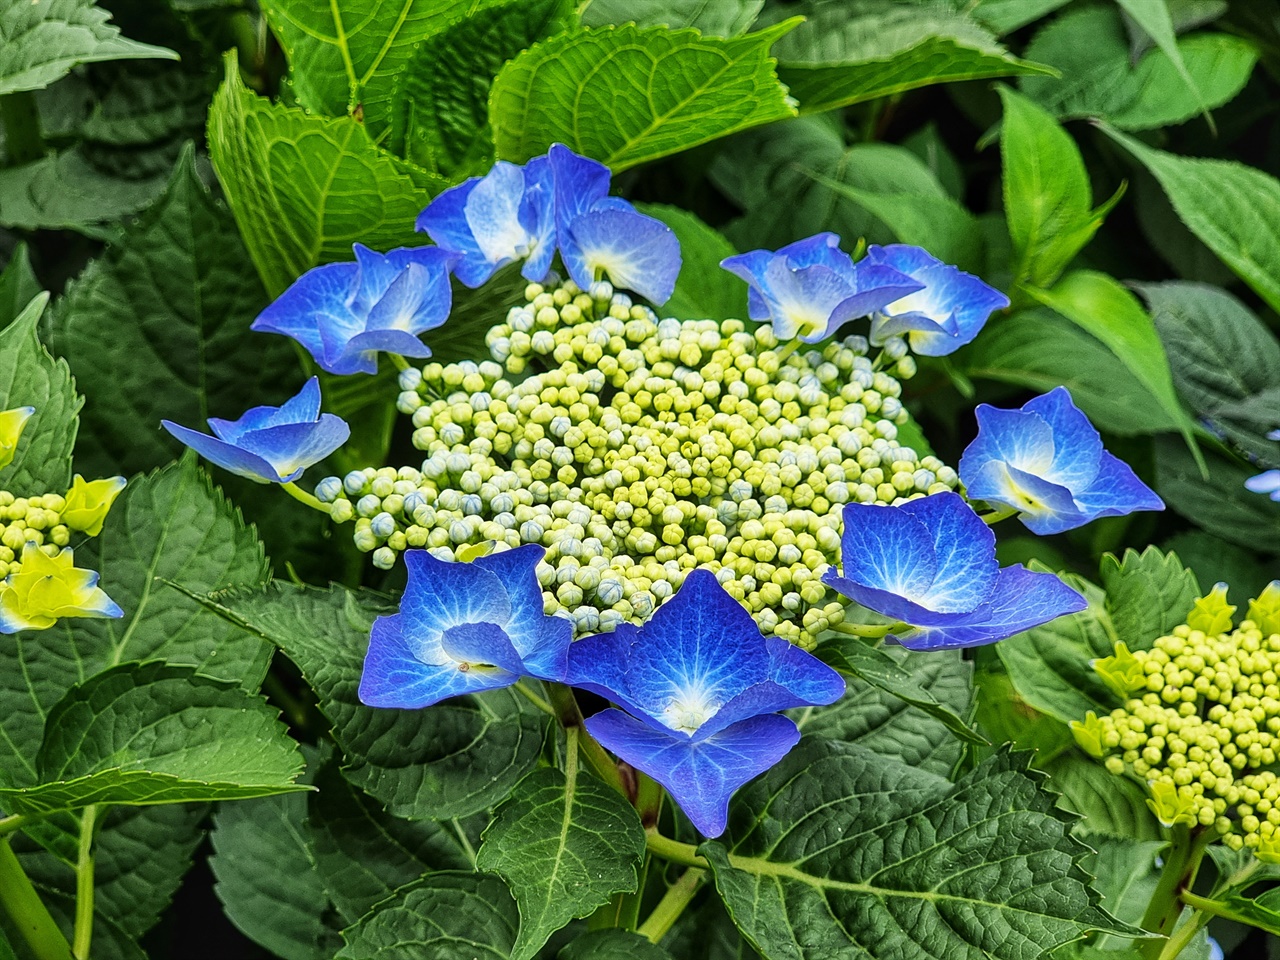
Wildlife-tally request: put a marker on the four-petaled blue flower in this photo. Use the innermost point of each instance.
(700, 689)
(463, 628)
(504, 216)
(807, 289)
(270, 444)
(1046, 460)
(344, 313)
(947, 311)
(931, 563)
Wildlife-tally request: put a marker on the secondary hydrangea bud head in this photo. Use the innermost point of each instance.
(931, 563)
(49, 588)
(89, 501)
(11, 424)
(698, 690)
(1046, 461)
(344, 314)
(270, 444)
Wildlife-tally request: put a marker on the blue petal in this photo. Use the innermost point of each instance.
(884, 326)
(493, 212)
(1044, 508)
(292, 447)
(820, 250)
(481, 644)
(418, 300)
(1116, 490)
(542, 641)
(377, 272)
(232, 458)
(638, 253)
(579, 183)
(886, 602)
(1266, 482)
(1021, 600)
(887, 549)
(1077, 445)
(751, 267)
(361, 352)
(318, 300)
(965, 550)
(701, 777)
(445, 221)
(877, 285)
(538, 215)
(441, 594)
(903, 257)
(802, 302)
(599, 664)
(303, 407)
(1020, 438)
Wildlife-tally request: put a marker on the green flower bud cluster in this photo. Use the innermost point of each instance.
(26, 520)
(1201, 722)
(636, 449)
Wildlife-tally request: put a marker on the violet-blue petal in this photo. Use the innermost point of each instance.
(887, 549)
(578, 184)
(542, 641)
(229, 457)
(1116, 490)
(598, 664)
(1044, 507)
(1077, 444)
(700, 777)
(397, 675)
(485, 644)
(318, 300)
(445, 222)
(638, 252)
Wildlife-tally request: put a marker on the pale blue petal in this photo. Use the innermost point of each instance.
(964, 548)
(361, 352)
(751, 267)
(579, 183)
(638, 253)
(1045, 508)
(493, 212)
(538, 215)
(1266, 482)
(887, 549)
(902, 257)
(1116, 491)
(884, 326)
(542, 641)
(483, 644)
(700, 777)
(218, 452)
(886, 603)
(445, 221)
(418, 300)
(292, 447)
(803, 301)
(1020, 438)
(1077, 445)
(820, 250)
(303, 407)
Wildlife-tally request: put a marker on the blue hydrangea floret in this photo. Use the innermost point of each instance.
(1046, 461)
(698, 689)
(270, 444)
(1268, 481)
(809, 288)
(463, 628)
(931, 563)
(344, 314)
(946, 312)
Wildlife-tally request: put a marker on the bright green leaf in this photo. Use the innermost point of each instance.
(1148, 594)
(1005, 16)
(1111, 806)
(565, 843)
(579, 88)
(1219, 65)
(1262, 912)
(18, 285)
(1153, 17)
(716, 18)
(1221, 504)
(704, 289)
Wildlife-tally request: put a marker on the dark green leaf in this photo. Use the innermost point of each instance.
(717, 18)
(1111, 806)
(18, 285)
(902, 862)
(304, 188)
(612, 945)
(66, 190)
(1221, 504)
(579, 88)
(565, 844)
(1126, 872)
(1005, 16)
(1148, 594)
(1215, 560)
(444, 916)
(704, 289)
(29, 376)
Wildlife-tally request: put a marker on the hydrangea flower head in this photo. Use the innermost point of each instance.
(270, 444)
(345, 313)
(807, 289)
(88, 502)
(11, 424)
(931, 563)
(698, 689)
(490, 221)
(599, 234)
(1046, 460)
(47, 589)
(944, 314)
(463, 628)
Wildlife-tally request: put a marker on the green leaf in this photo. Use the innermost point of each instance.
(1262, 912)
(29, 376)
(891, 726)
(40, 42)
(1225, 361)
(451, 760)
(1111, 806)
(158, 327)
(67, 191)
(1050, 665)
(1126, 872)
(704, 289)
(612, 945)
(565, 843)
(1214, 560)
(849, 51)
(1038, 349)
(151, 733)
(1233, 208)
(1153, 17)
(902, 862)
(18, 285)
(1106, 309)
(884, 672)
(438, 114)
(717, 18)
(1148, 594)
(1005, 16)
(579, 89)
(445, 916)
(304, 188)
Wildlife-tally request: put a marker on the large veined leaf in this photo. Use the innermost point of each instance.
(611, 945)
(450, 760)
(30, 377)
(1005, 16)
(901, 862)
(625, 95)
(304, 188)
(703, 289)
(1111, 806)
(1148, 594)
(1153, 17)
(1220, 503)
(40, 42)
(717, 18)
(849, 51)
(142, 734)
(565, 843)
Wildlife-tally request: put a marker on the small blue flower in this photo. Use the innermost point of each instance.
(270, 444)
(463, 628)
(601, 234)
(700, 689)
(493, 220)
(947, 311)
(345, 313)
(1046, 460)
(809, 288)
(1268, 482)
(931, 563)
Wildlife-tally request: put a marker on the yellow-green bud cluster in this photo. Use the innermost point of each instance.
(1201, 722)
(636, 449)
(26, 520)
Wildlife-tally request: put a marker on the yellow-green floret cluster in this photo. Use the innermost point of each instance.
(26, 520)
(636, 449)
(1201, 722)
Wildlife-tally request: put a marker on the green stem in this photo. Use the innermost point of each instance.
(565, 707)
(23, 140)
(674, 850)
(293, 490)
(536, 700)
(787, 349)
(871, 631)
(27, 913)
(1000, 513)
(1182, 862)
(672, 905)
(83, 933)
(399, 362)
(1174, 946)
(14, 822)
